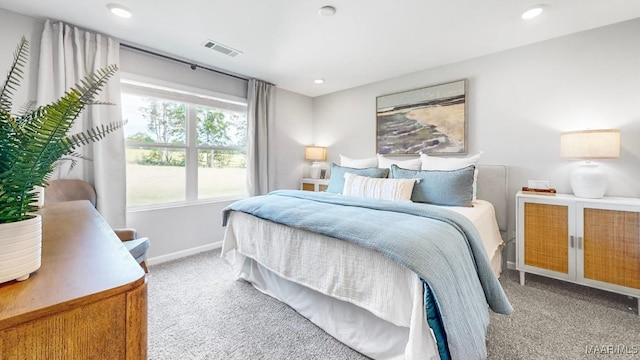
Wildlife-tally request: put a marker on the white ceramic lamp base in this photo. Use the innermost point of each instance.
(314, 170)
(588, 181)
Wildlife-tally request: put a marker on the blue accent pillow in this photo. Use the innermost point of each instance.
(336, 182)
(439, 187)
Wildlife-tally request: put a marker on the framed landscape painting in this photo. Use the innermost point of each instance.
(430, 120)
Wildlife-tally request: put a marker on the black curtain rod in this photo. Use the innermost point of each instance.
(192, 65)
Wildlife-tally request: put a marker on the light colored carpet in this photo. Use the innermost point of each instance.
(554, 319)
(196, 311)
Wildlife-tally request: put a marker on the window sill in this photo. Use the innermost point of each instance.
(179, 204)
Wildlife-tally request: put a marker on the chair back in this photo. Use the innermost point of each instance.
(69, 190)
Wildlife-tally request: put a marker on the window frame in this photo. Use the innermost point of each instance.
(192, 98)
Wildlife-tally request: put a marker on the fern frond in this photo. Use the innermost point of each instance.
(73, 163)
(33, 142)
(15, 75)
(9, 141)
(26, 108)
(93, 83)
(42, 141)
(100, 103)
(93, 135)
(62, 114)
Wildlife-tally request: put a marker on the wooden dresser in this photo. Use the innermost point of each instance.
(88, 300)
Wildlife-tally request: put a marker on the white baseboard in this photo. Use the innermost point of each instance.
(183, 253)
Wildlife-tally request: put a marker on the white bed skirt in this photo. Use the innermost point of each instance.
(348, 323)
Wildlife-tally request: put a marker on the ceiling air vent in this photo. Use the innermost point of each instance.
(221, 48)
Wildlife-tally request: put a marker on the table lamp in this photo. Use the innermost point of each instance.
(588, 181)
(315, 154)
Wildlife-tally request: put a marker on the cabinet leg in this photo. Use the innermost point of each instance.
(522, 278)
(638, 306)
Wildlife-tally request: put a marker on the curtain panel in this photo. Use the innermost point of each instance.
(260, 118)
(67, 54)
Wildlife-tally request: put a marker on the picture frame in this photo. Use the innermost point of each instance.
(431, 120)
(323, 173)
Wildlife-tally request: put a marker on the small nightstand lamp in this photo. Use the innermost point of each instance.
(588, 181)
(315, 154)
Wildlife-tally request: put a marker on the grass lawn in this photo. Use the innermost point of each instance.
(151, 184)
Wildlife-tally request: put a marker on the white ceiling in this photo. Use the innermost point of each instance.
(287, 43)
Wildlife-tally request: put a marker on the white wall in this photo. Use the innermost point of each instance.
(179, 231)
(518, 103)
(151, 66)
(293, 131)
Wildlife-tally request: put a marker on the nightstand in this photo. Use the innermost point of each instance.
(309, 184)
(592, 242)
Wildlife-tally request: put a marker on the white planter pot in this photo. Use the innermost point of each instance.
(20, 249)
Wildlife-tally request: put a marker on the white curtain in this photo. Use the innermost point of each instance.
(260, 165)
(67, 54)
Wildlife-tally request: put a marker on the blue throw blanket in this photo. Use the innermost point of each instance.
(441, 246)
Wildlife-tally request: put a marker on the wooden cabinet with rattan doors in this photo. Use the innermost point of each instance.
(593, 242)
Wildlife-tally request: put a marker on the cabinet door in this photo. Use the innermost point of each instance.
(308, 186)
(609, 245)
(544, 237)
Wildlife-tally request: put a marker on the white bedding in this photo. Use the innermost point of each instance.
(483, 216)
(350, 276)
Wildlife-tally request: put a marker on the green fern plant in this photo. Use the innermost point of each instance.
(34, 141)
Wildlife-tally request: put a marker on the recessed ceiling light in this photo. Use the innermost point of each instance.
(119, 10)
(319, 81)
(533, 12)
(327, 11)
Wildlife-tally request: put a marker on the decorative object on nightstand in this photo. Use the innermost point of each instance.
(537, 191)
(592, 242)
(315, 154)
(314, 184)
(588, 181)
(540, 187)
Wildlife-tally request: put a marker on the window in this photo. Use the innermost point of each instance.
(182, 146)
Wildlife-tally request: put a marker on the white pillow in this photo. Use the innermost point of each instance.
(358, 163)
(452, 163)
(447, 163)
(412, 164)
(378, 188)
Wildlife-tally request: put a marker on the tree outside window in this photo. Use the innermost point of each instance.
(180, 151)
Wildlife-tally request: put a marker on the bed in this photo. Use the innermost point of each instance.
(362, 295)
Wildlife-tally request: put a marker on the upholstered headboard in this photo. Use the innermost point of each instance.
(492, 186)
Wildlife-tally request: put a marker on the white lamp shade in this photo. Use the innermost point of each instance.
(590, 144)
(315, 153)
